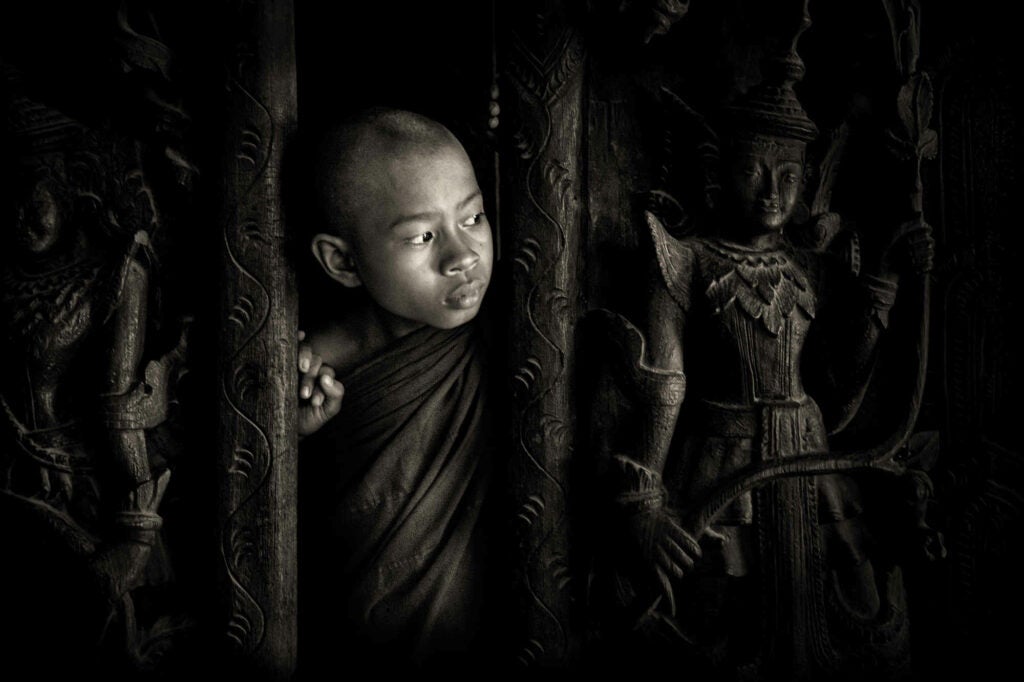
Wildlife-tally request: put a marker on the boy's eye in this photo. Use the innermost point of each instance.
(790, 178)
(421, 238)
(476, 219)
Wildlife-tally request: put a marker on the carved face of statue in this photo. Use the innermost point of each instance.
(421, 244)
(767, 177)
(39, 220)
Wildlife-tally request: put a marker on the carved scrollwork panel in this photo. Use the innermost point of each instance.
(259, 310)
(544, 74)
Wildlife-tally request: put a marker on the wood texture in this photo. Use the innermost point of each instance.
(542, 227)
(258, 345)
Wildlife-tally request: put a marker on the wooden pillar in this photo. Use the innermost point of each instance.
(541, 221)
(258, 326)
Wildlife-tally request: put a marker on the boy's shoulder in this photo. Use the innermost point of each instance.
(336, 344)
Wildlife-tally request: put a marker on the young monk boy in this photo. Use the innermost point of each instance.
(393, 417)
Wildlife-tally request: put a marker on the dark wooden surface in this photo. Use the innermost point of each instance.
(259, 320)
(542, 171)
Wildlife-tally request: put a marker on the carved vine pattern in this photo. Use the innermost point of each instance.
(541, 260)
(252, 456)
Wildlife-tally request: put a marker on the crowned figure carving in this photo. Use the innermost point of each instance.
(749, 547)
(80, 488)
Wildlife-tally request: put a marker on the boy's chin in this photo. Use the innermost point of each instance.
(456, 318)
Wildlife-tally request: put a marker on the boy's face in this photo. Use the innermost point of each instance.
(421, 241)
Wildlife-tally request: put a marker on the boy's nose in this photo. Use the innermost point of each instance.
(459, 258)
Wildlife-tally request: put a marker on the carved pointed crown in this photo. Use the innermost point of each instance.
(97, 172)
(38, 129)
(30, 126)
(772, 107)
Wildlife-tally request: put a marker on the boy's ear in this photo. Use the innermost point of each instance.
(336, 257)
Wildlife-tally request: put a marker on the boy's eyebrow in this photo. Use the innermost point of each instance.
(430, 215)
(470, 198)
(414, 217)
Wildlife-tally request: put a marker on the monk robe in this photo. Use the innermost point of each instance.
(392, 490)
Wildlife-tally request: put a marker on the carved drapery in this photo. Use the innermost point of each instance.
(258, 344)
(542, 169)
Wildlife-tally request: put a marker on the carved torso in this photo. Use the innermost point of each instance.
(748, 312)
(55, 356)
(747, 316)
(760, 304)
(49, 317)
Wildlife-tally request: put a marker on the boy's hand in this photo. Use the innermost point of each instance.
(319, 393)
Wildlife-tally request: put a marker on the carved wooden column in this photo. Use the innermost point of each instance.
(541, 183)
(980, 481)
(258, 327)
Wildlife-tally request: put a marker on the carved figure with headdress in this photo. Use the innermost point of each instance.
(749, 538)
(79, 487)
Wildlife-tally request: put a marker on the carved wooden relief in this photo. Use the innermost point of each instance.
(87, 379)
(259, 323)
(541, 169)
(93, 347)
(795, 623)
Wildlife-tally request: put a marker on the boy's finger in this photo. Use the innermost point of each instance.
(317, 400)
(331, 387)
(305, 355)
(302, 335)
(334, 391)
(315, 362)
(308, 381)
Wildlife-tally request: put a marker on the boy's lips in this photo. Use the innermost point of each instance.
(466, 295)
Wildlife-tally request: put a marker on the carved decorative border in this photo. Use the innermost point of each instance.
(544, 174)
(259, 322)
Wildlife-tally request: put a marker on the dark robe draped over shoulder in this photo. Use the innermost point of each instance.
(392, 490)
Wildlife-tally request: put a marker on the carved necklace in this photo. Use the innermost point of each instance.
(49, 299)
(764, 284)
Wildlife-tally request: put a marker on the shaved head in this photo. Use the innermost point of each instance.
(405, 219)
(354, 153)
